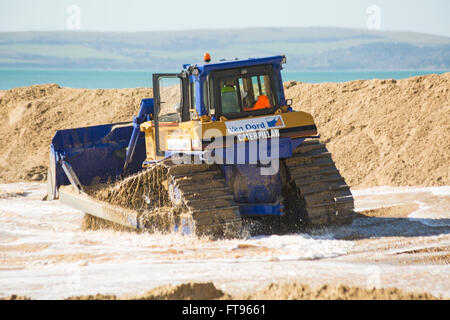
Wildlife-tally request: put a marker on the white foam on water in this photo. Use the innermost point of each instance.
(438, 191)
(433, 202)
(301, 246)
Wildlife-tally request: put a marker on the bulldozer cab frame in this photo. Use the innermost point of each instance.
(254, 89)
(171, 103)
(248, 85)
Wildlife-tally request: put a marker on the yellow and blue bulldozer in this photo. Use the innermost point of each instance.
(218, 149)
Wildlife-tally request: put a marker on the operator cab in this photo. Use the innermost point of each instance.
(244, 91)
(221, 90)
(216, 91)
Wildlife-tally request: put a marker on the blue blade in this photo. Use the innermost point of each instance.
(96, 154)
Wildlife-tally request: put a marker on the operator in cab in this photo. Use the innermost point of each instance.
(230, 103)
(261, 103)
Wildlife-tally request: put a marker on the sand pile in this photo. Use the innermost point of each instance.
(383, 132)
(296, 291)
(15, 297)
(185, 291)
(287, 291)
(31, 115)
(380, 132)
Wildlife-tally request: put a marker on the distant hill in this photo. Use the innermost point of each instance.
(306, 48)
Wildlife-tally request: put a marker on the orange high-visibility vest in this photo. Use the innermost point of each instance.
(262, 103)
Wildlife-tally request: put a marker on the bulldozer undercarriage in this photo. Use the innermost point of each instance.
(194, 198)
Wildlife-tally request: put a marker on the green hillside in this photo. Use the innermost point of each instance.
(306, 48)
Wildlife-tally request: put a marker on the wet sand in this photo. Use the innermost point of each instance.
(401, 239)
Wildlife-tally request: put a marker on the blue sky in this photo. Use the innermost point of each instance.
(430, 16)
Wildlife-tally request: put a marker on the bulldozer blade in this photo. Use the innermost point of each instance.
(103, 210)
(96, 154)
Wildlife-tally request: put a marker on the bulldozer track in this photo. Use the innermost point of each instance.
(192, 198)
(207, 204)
(322, 190)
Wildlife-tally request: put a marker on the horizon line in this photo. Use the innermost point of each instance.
(224, 29)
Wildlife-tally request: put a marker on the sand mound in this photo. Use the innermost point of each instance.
(31, 115)
(380, 132)
(15, 297)
(383, 132)
(287, 291)
(185, 291)
(97, 296)
(295, 291)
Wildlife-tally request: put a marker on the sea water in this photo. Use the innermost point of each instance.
(109, 79)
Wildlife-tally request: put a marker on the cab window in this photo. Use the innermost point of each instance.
(170, 96)
(246, 94)
(255, 93)
(229, 96)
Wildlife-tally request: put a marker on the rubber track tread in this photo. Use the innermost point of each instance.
(328, 198)
(210, 208)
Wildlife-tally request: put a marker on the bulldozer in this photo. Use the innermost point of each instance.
(218, 149)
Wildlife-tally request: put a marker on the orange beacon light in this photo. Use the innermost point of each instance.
(207, 57)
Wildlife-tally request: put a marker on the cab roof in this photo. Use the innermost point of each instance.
(204, 68)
